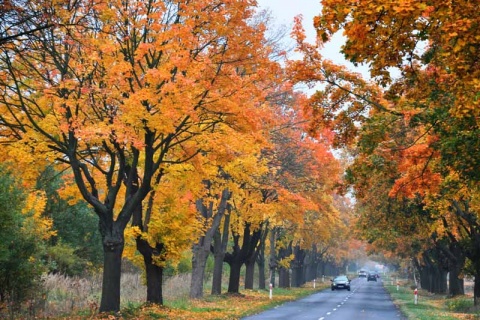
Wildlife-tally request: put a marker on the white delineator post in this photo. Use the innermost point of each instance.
(415, 297)
(271, 291)
(314, 282)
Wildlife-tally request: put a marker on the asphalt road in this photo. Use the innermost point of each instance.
(366, 300)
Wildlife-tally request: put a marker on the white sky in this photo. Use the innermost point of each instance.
(285, 10)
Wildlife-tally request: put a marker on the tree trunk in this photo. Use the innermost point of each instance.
(199, 261)
(321, 267)
(249, 273)
(261, 266)
(272, 261)
(112, 269)
(441, 280)
(283, 278)
(217, 273)
(240, 255)
(476, 291)
(219, 248)
(455, 260)
(203, 247)
(297, 266)
(154, 275)
(253, 256)
(234, 279)
(284, 273)
(456, 285)
(153, 272)
(311, 263)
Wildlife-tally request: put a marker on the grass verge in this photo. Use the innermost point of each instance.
(225, 306)
(432, 306)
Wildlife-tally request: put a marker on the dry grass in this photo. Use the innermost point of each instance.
(66, 295)
(177, 287)
(63, 297)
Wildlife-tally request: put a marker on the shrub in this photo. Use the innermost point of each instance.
(459, 304)
(20, 248)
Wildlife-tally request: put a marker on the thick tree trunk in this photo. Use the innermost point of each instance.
(253, 256)
(272, 261)
(455, 257)
(261, 266)
(283, 278)
(475, 257)
(424, 278)
(297, 265)
(476, 290)
(462, 210)
(455, 283)
(154, 273)
(321, 267)
(311, 263)
(240, 255)
(249, 273)
(217, 273)
(202, 249)
(220, 243)
(234, 279)
(441, 281)
(199, 261)
(284, 273)
(112, 269)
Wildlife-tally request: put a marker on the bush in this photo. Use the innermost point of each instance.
(62, 259)
(459, 304)
(20, 250)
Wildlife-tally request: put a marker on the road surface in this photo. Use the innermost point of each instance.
(367, 300)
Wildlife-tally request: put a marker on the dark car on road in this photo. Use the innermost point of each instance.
(372, 277)
(340, 282)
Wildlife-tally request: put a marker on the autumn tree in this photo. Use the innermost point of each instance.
(303, 175)
(116, 91)
(433, 46)
(17, 20)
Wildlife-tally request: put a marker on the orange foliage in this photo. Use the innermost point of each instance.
(406, 34)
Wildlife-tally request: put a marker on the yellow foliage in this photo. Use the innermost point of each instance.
(285, 262)
(35, 223)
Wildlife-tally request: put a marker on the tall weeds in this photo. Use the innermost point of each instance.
(60, 295)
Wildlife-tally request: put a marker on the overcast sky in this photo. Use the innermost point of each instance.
(285, 10)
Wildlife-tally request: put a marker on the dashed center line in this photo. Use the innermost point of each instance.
(339, 305)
